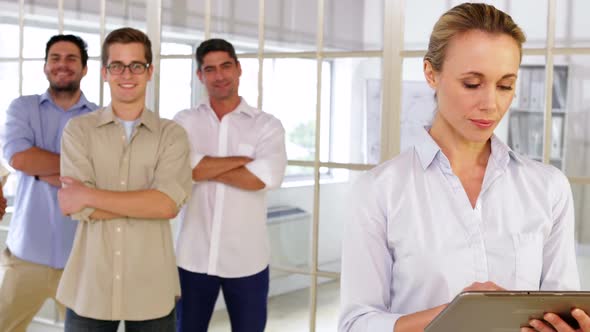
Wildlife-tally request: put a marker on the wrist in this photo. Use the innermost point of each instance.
(88, 197)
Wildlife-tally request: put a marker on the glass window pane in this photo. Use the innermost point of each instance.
(177, 48)
(582, 212)
(249, 81)
(335, 209)
(534, 26)
(9, 39)
(418, 103)
(82, 18)
(90, 84)
(91, 39)
(571, 113)
(289, 219)
(35, 40)
(328, 305)
(421, 15)
(236, 21)
(571, 28)
(290, 25)
(353, 25)
(351, 111)
(176, 77)
(182, 22)
(107, 94)
(126, 14)
(34, 79)
(288, 303)
(297, 113)
(525, 133)
(8, 86)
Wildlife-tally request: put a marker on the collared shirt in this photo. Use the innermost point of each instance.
(39, 232)
(415, 241)
(223, 228)
(124, 269)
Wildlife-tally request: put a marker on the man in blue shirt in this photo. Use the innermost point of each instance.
(40, 237)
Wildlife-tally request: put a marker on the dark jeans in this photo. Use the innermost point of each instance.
(246, 300)
(75, 323)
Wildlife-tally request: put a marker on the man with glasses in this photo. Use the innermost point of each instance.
(40, 237)
(125, 173)
(237, 155)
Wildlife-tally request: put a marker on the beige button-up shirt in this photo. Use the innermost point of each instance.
(123, 269)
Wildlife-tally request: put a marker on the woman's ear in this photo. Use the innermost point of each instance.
(430, 75)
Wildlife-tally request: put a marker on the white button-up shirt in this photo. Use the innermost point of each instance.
(223, 228)
(414, 241)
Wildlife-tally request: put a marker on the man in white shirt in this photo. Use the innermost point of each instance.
(237, 155)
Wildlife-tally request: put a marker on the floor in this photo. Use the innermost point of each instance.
(286, 313)
(290, 312)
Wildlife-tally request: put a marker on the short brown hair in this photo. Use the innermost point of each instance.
(466, 17)
(126, 35)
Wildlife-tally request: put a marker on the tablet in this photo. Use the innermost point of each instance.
(505, 311)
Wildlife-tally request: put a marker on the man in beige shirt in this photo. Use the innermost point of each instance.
(125, 173)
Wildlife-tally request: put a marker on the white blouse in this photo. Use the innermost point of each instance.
(415, 241)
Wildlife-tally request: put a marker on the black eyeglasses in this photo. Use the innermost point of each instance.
(137, 68)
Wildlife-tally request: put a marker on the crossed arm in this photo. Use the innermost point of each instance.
(227, 170)
(36, 161)
(144, 204)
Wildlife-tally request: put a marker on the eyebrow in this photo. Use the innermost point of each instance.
(480, 75)
(222, 64)
(69, 55)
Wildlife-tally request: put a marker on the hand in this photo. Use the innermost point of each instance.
(483, 286)
(2, 205)
(72, 195)
(555, 324)
(245, 160)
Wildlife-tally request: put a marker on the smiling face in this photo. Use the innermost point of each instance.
(127, 87)
(63, 68)
(220, 74)
(476, 84)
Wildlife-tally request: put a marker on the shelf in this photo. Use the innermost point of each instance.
(539, 111)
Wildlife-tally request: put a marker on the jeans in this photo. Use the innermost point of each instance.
(75, 323)
(246, 300)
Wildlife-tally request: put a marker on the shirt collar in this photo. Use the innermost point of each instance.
(242, 108)
(427, 150)
(147, 118)
(82, 102)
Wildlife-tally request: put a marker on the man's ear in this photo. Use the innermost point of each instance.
(430, 75)
(200, 75)
(103, 73)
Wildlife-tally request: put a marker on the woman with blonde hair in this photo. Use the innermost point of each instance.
(460, 210)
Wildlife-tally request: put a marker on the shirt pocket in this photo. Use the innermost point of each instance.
(529, 260)
(246, 150)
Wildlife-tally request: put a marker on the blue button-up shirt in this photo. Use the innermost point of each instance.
(39, 233)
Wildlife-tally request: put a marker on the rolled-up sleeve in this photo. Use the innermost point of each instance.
(270, 158)
(173, 175)
(366, 280)
(18, 132)
(560, 270)
(75, 162)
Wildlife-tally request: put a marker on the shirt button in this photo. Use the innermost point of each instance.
(123, 137)
(118, 253)
(122, 183)
(118, 277)
(118, 229)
